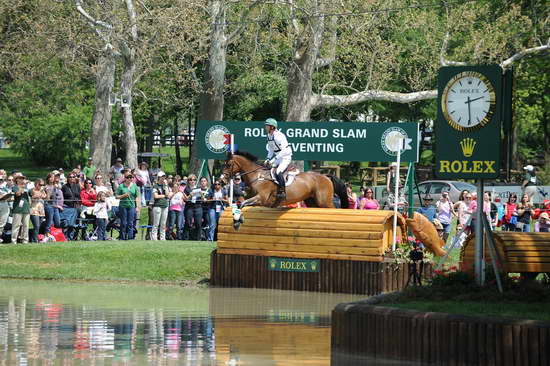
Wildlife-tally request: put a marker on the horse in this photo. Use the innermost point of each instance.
(315, 189)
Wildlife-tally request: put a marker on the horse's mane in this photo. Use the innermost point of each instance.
(244, 154)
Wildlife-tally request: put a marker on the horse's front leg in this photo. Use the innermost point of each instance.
(252, 201)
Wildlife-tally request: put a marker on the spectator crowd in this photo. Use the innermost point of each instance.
(87, 204)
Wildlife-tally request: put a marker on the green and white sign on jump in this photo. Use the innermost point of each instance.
(343, 141)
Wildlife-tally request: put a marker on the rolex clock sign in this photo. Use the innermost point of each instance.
(468, 125)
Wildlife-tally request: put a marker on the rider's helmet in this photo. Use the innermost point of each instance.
(271, 122)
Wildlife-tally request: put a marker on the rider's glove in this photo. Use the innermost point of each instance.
(268, 164)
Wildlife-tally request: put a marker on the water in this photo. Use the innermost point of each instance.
(60, 323)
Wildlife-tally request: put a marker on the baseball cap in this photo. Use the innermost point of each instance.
(161, 174)
(529, 167)
(545, 216)
(118, 160)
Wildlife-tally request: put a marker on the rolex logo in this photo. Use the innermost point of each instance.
(467, 146)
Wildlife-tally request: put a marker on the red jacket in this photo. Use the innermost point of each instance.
(88, 198)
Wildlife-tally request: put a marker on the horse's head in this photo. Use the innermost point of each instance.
(230, 168)
(239, 162)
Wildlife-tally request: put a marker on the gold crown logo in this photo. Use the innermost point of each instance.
(467, 146)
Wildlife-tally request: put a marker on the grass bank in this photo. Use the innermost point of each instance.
(168, 261)
(535, 311)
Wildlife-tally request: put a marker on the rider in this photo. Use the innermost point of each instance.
(279, 154)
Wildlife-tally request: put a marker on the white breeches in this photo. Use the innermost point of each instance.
(282, 163)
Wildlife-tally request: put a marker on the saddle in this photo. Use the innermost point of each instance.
(289, 174)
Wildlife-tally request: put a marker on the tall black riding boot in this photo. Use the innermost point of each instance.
(281, 187)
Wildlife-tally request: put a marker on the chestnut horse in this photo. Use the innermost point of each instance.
(315, 189)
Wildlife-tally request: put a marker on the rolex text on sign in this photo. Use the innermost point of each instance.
(293, 264)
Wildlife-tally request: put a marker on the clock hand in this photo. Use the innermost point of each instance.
(471, 100)
(469, 111)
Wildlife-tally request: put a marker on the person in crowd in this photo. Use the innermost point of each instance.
(393, 174)
(238, 189)
(525, 212)
(62, 177)
(116, 171)
(161, 198)
(101, 213)
(543, 223)
(193, 208)
(492, 214)
(368, 202)
(89, 170)
(128, 194)
(352, 197)
(38, 195)
(122, 178)
(529, 184)
(175, 212)
(5, 196)
(143, 176)
(88, 195)
(204, 186)
(444, 214)
(511, 213)
(218, 200)
(500, 211)
(101, 186)
(54, 203)
(428, 210)
(21, 211)
(462, 210)
(72, 204)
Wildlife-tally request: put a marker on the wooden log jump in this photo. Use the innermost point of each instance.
(518, 252)
(311, 249)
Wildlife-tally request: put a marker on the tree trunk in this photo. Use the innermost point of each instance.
(212, 98)
(177, 146)
(300, 75)
(101, 141)
(128, 127)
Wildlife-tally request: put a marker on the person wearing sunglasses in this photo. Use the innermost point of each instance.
(38, 213)
(193, 208)
(511, 213)
(218, 200)
(128, 194)
(5, 196)
(72, 204)
(368, 202)
(88, 195)
(21, 211)
(161, 198)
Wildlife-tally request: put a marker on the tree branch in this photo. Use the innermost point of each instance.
(367, 95)
(325, 61)
(91, 20)
(233, 35)
(444, 47)
(521, 54)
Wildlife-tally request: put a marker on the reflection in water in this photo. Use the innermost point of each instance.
(47, 323)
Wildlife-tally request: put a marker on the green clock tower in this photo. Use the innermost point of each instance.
(469, 121)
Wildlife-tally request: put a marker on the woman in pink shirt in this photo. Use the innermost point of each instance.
(352, 197)
(368, 202)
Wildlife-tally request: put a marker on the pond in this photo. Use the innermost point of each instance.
(67, 323)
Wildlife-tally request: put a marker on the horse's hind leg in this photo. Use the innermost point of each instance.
(324, 199)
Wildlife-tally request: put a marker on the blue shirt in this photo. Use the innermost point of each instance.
(429, 212)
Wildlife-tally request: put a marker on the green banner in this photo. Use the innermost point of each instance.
(293, 264)
(469, 119)
(340, 141)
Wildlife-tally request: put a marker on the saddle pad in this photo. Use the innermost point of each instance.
(289, 176)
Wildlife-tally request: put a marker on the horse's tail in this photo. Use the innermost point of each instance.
(340, 190)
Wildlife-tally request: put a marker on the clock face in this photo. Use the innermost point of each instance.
(468, 101)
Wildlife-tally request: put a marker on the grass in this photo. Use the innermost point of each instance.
(10, 161)
(535, 311)
(168, 261)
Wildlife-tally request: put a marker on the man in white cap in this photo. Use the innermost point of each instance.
(279, 154)
(529, 185)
